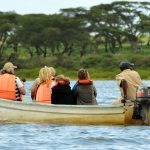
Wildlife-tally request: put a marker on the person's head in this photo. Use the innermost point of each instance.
(53, 72)
(9, 68)
(125, 65)
(83, 74)
(44, 74)
(61, 78)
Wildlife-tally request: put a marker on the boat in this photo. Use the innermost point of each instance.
(33, 112)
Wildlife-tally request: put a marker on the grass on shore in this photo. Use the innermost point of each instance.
(96, 73)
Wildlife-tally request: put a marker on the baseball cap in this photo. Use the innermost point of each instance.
(9, 65)
(125, 64)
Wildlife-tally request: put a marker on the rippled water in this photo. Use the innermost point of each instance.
(61, 137)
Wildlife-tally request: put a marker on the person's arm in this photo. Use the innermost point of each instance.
(74, 92)
(74, 87)
(20, 86)
(95, 92)
(123, 85)
(22, 90)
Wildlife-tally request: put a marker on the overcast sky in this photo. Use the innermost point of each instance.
(47, 6)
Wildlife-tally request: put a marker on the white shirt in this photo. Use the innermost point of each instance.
(19, 83)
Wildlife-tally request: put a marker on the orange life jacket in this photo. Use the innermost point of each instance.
(44, 92)
(8, 86)
(61, 82)
(86, 81)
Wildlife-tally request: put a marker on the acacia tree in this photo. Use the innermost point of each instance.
(78, 29)
(144, 20)
(14, 40)
(105, 23)
(130, 13)
(70, 33)
(8, 23)
(32, 33)
(112, 22)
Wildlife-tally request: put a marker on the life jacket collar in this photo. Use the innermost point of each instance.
(85, 81)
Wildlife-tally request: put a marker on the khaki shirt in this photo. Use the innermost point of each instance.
(133, 82)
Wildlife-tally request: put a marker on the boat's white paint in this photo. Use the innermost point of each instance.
(13, 111)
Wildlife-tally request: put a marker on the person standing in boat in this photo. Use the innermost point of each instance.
(84, 91)
(61, 92)
(11, 87)
(128, 81)
(36, 83)
(43, 94)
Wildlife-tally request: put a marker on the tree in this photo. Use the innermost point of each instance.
(144, 21)
(105, 23)
(77, 30)
(8, 23)
(31, 33)
(130, 13)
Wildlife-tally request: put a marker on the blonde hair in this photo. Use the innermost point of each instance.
(44, 74)
(52, 70)
(62, 77)
(83, 74)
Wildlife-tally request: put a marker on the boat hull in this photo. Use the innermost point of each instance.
(21, 112)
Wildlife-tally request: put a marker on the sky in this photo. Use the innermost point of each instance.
(47, 6)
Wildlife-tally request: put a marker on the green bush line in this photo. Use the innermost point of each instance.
(101, 66)
(95, 73)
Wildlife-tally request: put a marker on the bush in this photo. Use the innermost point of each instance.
(63, 61)
(109, 60)
(90, 61)
(141, 61)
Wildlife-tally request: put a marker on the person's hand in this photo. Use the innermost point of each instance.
(123, 100)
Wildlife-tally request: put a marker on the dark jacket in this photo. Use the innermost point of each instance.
(62, 94)
(85, 92)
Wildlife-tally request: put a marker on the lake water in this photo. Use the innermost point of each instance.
(72, 137)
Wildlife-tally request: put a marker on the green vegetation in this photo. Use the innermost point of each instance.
(96, 39)
(97, 73)
(102, 67)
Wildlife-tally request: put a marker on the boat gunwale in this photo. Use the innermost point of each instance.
(62, 112)
(65, 109)
(59, 105)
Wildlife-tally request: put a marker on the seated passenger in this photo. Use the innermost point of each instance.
(36, 83)
(11, 87)
(128, 81)
(84, 90)
(34, 88)
(43, 94)
(61, 92)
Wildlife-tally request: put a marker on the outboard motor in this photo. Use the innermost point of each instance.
(142, 103)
